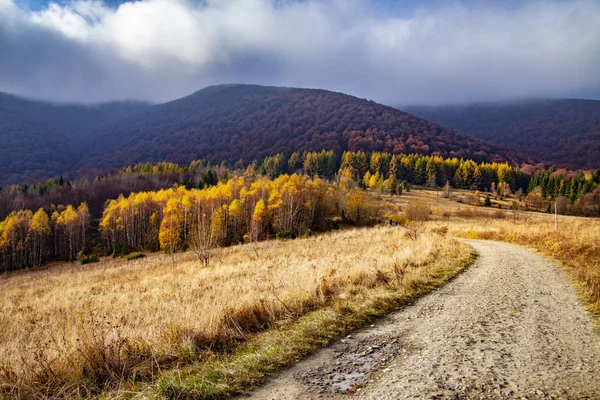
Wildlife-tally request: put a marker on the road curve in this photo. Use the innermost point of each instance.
(509, 327)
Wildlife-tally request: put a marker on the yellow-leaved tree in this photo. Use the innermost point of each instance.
(169, 235)
(358, 209)
(258, 222)
(40, 229)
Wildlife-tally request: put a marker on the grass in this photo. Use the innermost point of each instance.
(90, 259)
(271, 350)
(146, 327)
(135, 256)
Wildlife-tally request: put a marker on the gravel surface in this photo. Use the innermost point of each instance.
(509, 327)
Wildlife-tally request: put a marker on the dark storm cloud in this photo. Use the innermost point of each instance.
(161, 49)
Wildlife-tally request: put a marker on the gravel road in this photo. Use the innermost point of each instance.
(509, 327)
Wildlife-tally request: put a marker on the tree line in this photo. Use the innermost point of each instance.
(245, 208)
(410, 169)
(142, 195)
(242, 209)
(28, 239)
(575, 194)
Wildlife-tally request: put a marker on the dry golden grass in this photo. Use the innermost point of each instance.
(77, 330)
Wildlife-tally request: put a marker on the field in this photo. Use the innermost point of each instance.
(71, 328)
(147, 327)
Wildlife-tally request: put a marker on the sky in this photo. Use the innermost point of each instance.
(394, 52)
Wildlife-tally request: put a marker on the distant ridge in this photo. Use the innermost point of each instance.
(562, 132)
(40, 140)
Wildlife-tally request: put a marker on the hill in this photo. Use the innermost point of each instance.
(562, 132)
(41, 140)
(251, 122)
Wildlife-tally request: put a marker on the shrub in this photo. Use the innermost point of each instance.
(441, 231)
(498, 214)
(418, 211)
(488, 201)
(135, 256)
(90, 259)
(359, 209)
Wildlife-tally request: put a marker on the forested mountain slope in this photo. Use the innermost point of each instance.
(562, 132)
(40, 140)
(250, 122)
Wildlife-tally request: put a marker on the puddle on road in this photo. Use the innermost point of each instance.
(354, 363)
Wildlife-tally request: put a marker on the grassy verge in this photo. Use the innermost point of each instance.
(219, 376)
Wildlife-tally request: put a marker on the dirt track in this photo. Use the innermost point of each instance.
(509, 327)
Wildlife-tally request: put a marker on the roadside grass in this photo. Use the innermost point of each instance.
(146, 328)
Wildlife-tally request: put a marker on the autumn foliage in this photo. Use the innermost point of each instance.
(249, 122)
(26, 237)
(201, 219)
(200, 206)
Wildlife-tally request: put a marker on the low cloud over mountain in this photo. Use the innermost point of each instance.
(426, 53)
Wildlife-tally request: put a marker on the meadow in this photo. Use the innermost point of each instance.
(147, 327)
(81, 330)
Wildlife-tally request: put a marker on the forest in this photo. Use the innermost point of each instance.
(562, 132)
(252, 122)
(41, 140)
(200, 206)
(226, 122)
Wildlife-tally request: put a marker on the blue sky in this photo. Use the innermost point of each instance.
(41, 4)
(396, 52)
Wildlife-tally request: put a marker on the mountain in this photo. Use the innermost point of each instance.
(563, 132)
(41, 140)
(250, 122)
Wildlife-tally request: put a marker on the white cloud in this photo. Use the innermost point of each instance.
(161, 49)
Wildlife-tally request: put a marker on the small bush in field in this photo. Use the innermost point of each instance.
(418, 211)
(442, 231)
(135, 256)
(90, 259)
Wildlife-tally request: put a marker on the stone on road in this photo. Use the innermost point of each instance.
(509, 327)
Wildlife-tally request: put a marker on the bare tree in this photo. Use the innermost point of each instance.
(203, 241)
